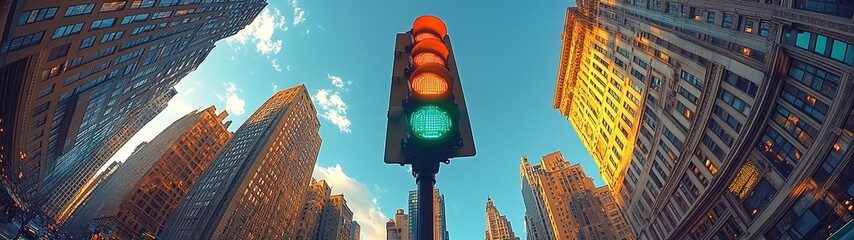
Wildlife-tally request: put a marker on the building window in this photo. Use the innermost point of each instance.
(764, 28)
(735, 102)
(22, 42)
(112, 6)
(103, 23)
(746, 86)
(59, 51)
(744, 180)
(831, 161)
(797, 128)
(835, 49)
(88, 42)
(81, 9)
(112, 36)
(142, 4)
(814, 77)
(779, 151)
(814, 108)
(756, 200)
(839, 8)
(67, 30)
(691, 79)
(710, 17)
(727, 22)
(747, 24)
(134, 18)
(37, 15)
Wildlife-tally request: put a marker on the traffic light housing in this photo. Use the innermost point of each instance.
(427, 115)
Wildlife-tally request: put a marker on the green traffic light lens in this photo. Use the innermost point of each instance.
(430, 122)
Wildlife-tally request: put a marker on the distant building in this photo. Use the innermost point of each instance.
(308, 225)
(497, 225)
(256, 187)
(568, 203)
(716, 119)
(440, 229)
(90, 186)
(397, 228)
(74, 73)
(149, 186)
(79, 165)
(356, 232)
(336, 219)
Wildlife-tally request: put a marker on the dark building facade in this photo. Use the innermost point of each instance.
(256, 187)
(141, 194)
(72, 70)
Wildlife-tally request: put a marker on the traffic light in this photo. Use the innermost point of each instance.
(427, 113)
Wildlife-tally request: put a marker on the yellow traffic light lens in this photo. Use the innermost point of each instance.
(426, 35)
(430, 122)
(427, 57)
(429, 84)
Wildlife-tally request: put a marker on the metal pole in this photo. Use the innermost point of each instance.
(425, 177)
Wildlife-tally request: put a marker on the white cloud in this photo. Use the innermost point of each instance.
(333, 109)
(359, 198)
(337, 81)
(299, 15)
(288, 67)
(275, 87)
(233, 103)
(260, 32)
(276, 65)
(189, 90)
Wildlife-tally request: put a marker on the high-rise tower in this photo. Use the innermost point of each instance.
(497, 225)
(440, 230)
(397, 228)
(152, 182)
(565, 201)
(76, 72)
(716, 119)
(256, 186)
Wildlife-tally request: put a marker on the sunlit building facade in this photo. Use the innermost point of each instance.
(336, 220)
(497, 225)
(153, 181)
(308, 224)
(397, 228)
(76, 169)
(256, 187)
(89, 187)
(440, 229)
(567, 204)
(75, 72)
(716, 120)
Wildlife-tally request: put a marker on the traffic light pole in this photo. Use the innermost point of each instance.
(424, 170)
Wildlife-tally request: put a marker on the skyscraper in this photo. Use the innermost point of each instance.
(397, 228)
(568, 203)
(537, 224)
(90, 186)
(309, 220)
(336, 221)
(716, 119)
(497, 225)
(78, 166)
(440, 229)
(256, 187)
(152, 182)
(356, 231)
(75, 72)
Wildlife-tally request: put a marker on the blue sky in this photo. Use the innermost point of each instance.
(507, 53)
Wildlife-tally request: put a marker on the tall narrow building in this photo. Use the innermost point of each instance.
(309, 220)
(356, 231)
(537, 225)
(255, 188)
(154, 180)
(336, 219)
(65, 186)
(497, 225)
(440, 229)
(397, 228)
(716, 119)
(564, 201)
(75, 72)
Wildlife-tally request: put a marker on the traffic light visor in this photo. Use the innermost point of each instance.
(429, 24)
(429, 51)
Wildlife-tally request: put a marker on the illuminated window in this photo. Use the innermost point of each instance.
(744, 180)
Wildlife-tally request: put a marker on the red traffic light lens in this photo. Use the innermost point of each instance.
(429, 84)
(429, 24)
(427, 57)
